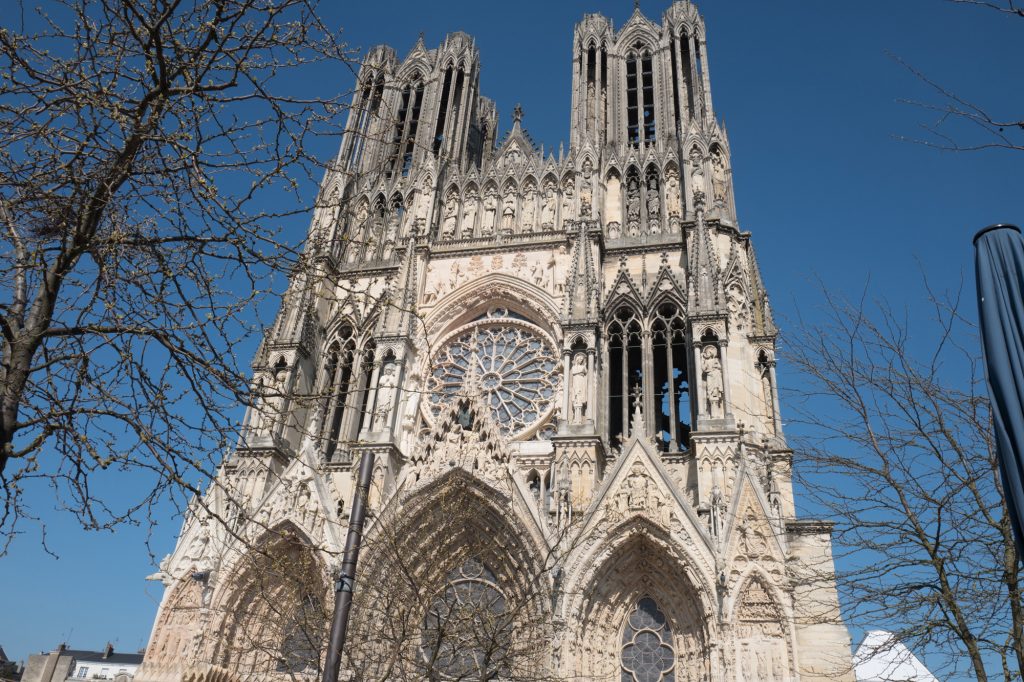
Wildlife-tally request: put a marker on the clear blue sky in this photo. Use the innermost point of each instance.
(810, 99)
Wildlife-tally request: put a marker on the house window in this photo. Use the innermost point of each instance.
(82, 672)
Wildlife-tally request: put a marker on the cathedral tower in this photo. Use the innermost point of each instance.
(565, 367)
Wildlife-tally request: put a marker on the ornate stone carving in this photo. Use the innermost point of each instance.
(633, 207)
(547, 212)
(587, 189)
(469, 210)
(719, 176)
(714, 388)
(529, 206)
(490, 212)
(653, 205)
(579, 388)
(386, 386)
(673, 199)
(508, 212)
(451, 215)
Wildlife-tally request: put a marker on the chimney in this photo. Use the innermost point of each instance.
(108, 651)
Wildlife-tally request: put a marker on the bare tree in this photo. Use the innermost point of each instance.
(961, 124)
(146, 151)
(899, 450)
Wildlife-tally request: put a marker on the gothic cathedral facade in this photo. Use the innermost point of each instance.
(564, 365)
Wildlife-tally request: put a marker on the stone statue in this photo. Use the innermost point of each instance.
(578, 385)
(563, 497)
(587, 190)
(633, 207)
(469, 213)
(547, 212)
(714, 389)
(508, 213)
(716, 511)
(451, 216)
(386, 385)
(568, 202)
(653, 205)
(673, 199)
(490, 212)
(422, 210)
(529, 207)
(718, 176)
(697, 179)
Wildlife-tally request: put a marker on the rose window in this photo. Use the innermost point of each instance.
(514, 364)
(647, 654)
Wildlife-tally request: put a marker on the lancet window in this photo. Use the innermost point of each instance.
(670, 378)
(647, 654)
(625, 370)
(343, 389)
(648, 369)
(300, 648)
(403, 142)
(366, 108)
(640, 117)
(467, 629)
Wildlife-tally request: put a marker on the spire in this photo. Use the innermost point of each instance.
(400, 315)
(581, 283)
(705, 286)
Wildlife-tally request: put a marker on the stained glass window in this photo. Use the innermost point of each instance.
(467, 629)
(647, 654)
(514, 363)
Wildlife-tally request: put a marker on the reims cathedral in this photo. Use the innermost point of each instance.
(563, 363)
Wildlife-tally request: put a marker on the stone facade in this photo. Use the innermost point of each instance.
(565, 366)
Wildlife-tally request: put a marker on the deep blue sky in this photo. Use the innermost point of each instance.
(810, 98)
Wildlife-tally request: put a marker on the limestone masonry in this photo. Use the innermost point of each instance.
(565, 365)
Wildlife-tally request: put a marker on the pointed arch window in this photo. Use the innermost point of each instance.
(647, 654)
(625, 360)
(369, 104)
(403, 140)
(640, 117)
(671, 378)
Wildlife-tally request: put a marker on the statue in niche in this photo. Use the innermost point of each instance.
(587, 190)
(714, 388)
(568, 204)
(490, 212)
(673, 205)
(718, 176)
(563, 497)
(547, 212)
(633, 207)
(391, 234)
(653, 205)
(529, 207)
(769, 397)
(469, 213)
(385, 396)
(717, 506)
(697, 178)
(578, 387)
(451, 216)
(508, 212)
(422, 210)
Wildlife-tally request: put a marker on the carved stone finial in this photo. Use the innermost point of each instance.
(636, 5)
(517, 113)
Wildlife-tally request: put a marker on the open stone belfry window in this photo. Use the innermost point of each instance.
(625, 358)
(343, 387)
(403, 142)
(654, 367)
(367, 108)
(647, 654)
(640, 123)
(671, 378)
(467, 629)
